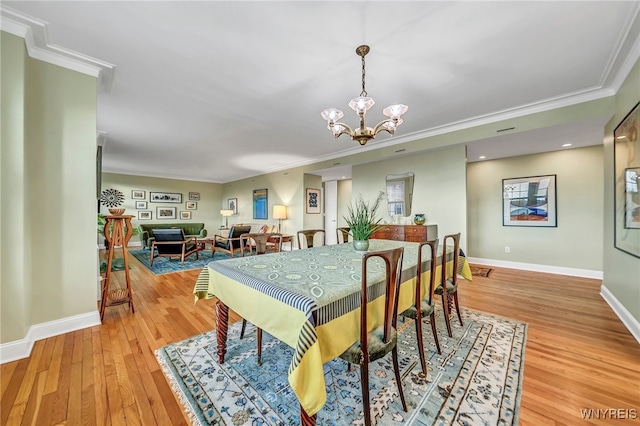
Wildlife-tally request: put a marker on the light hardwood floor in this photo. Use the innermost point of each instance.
(578, 354)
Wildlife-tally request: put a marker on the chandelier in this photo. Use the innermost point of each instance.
(361, 105)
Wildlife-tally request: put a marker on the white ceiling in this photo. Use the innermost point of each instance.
(219, 90)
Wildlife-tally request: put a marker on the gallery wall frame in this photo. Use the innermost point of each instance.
(166, 212)
(194, 196)
(312, 201)
(141, 205)
(232, 204)
(185, 215)
(260, 204)
(529, 201)
(138, 194)
(626, 169)
(144, 215)
(165, 197)
(191, 205)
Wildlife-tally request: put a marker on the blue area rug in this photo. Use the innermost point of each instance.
(476, 381)
(166, 265)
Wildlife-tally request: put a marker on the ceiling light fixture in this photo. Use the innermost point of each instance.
(361, 105)
(564, 145)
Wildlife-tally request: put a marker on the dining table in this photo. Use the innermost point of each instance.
(310, 300)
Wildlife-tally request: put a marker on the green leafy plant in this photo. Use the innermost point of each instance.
(361, 218)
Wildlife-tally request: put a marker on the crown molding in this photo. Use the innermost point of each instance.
(34, 33)
(624, 57)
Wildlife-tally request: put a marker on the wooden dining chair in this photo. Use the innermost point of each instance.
(310, 238)
(450, 283)
(379, 342)
(343, 235)
(263, 244)
(425, 299)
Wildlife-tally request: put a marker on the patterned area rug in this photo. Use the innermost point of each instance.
(476, 381)
(166, 265)
(480, 271)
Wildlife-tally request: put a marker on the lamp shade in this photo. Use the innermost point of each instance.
(279, 211)
(226, 212)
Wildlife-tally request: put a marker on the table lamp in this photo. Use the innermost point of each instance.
(226, 214)
(279, 212)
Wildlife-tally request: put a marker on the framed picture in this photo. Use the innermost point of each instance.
(165, 197)
(632, 198)
(166, 212)
(141, 205)
(260, 204)
(529, 201)
(194, 196)
(137, 194)
(144, 215)
(191, 205)
(313, 201)
(185, 215)
(232, 204)
(626, 169)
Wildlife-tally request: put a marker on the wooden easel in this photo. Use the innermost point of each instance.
(115, 238)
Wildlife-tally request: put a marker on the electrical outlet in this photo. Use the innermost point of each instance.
(507, 249)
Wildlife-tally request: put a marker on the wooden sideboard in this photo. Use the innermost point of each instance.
(414, 233)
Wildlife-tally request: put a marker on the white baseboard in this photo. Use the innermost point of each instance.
(19, 349)
(131, 244)
(625, 316)
(584, 273)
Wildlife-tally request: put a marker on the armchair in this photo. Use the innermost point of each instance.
(172, 243)
(229, 244)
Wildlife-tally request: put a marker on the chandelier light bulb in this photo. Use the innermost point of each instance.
(332, 115)
(361, 104)
(395, 111)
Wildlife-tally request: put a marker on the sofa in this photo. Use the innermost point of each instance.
(190, 230)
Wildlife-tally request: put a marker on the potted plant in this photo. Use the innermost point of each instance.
(362, 221)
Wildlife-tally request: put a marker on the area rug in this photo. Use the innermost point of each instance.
(166, 265)
(476, 381)
(480, 271)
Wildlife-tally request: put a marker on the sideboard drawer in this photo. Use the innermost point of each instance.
(417, 230)
(396, 236)
(413, 233)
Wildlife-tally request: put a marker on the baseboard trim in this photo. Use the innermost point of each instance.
(625, 316)
(584, 273)
(19, 349)
(131, 244)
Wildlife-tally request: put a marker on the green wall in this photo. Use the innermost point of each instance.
(15, 283)
(439, 187)
(577, 240)
(285, 187)
(48, 192)
(621, 270)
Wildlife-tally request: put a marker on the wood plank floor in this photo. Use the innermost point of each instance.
(578, 354)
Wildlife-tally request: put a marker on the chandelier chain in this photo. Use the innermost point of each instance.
(364, 92)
